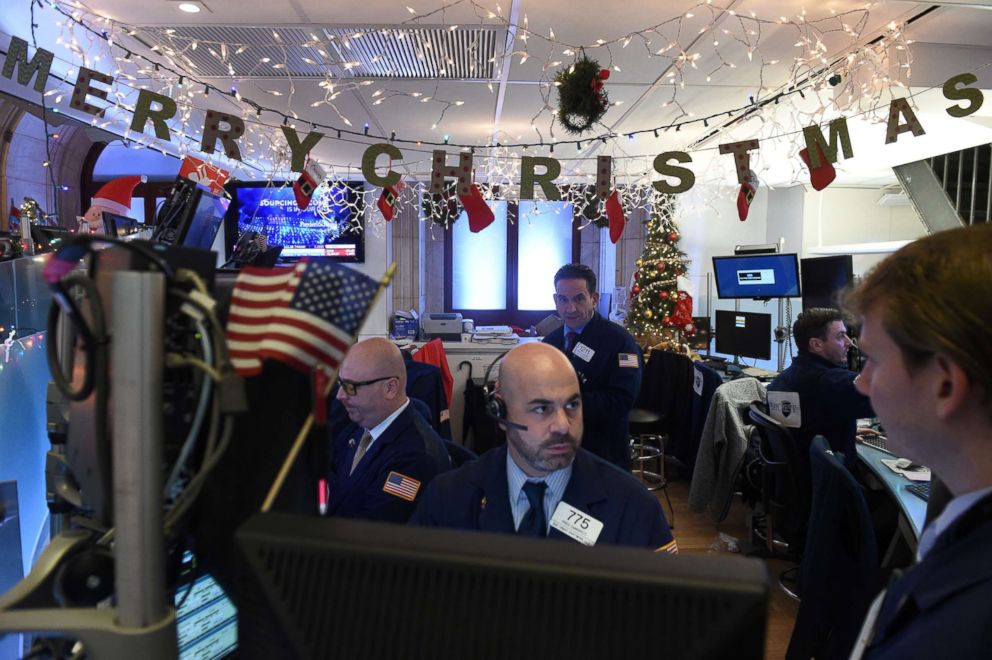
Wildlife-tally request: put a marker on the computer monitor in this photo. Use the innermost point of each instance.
(744, 334)
(824, 278)
(115, 225)
(205, 221)
(335, 588)
(206, 619)
(757, 276)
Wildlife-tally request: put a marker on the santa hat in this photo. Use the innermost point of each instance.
(115, 195)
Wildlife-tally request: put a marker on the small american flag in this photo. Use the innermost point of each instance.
(303, 315)
(629, 360)
(401, 485)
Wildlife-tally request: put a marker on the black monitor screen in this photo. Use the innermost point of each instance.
(745, 334)
(118, 225)
(757, 276)
(334, 588)
(824, 278)
(205, 220)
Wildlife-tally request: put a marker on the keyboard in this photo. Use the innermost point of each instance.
(921, 489)
(876, 441)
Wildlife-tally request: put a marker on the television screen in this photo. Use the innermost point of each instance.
(824, 278)
(744, 334)
(757, 276)
(331, 226)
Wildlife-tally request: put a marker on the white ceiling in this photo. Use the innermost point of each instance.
(513, 106)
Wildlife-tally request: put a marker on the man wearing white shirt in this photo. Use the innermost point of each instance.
(929, 377)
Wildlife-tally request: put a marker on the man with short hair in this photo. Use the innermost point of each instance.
(607, 359)
(929, 376)
(383, 459)
(829, 404)
(541, 482)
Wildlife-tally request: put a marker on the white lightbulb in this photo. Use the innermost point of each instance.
(189, 7)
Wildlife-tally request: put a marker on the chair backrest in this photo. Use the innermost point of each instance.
(840, 571)
(786, 483)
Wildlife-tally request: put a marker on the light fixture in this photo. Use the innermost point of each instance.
(189, 7)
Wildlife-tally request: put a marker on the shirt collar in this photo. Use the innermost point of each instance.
(381, 427)
(557, 481)
(956, 508)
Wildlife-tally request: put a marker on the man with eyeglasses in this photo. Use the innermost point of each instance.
(382, 460)
(541, 483)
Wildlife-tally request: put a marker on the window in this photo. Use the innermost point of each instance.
(504, 274)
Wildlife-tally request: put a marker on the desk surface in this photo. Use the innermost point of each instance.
(913, 509)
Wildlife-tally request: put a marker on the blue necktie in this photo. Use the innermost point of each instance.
(534, 522)
(570, 339)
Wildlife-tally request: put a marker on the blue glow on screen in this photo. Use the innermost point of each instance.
(544, 245)
(330, 226)
(757, 276)
(478, 263)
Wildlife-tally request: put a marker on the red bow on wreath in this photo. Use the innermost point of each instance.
(599, 79)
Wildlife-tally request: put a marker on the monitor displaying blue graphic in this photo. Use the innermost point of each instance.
(206, 619)
(331, 226)
(757, 276)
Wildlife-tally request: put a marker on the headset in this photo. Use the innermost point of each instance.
(495, 407)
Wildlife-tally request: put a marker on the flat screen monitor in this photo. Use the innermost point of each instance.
(206, 619)
(117, 226)
(757, 276)
(744, 334)
(204, 222)
(335, 588)
(824, 278)
(331, 226)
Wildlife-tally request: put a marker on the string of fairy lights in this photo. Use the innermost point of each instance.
(728, 40)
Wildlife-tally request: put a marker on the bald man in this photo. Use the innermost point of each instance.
(541, 482)
(382, 460)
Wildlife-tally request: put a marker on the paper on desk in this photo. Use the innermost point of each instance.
(919, 474)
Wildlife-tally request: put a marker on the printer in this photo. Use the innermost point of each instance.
(446, 326)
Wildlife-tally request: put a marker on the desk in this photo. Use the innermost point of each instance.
(912, 509)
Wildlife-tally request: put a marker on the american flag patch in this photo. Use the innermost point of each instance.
(401, 485)
(629, 360)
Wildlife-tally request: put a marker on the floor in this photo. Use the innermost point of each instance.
(696, 533)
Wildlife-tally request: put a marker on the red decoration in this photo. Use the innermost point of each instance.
(661, 265)
(637, 274)
(635, 289)
(666, 320)
(683, 310)
(664, 295)
(674, 236)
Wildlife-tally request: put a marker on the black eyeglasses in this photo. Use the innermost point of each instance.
(350, 387)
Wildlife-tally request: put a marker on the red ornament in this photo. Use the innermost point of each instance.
(666, 320)
(635, 289)
(661, 265)
(664, 295)
(637, 274)
(673, 236)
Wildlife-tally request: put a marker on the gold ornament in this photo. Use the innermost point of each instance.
(648, 313)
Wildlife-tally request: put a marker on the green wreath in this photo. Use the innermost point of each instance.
(582, 98)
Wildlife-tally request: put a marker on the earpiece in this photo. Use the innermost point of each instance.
(495, 407)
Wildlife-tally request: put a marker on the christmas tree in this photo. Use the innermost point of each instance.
(658, 311)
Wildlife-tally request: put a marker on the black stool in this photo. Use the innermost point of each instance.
(647, 456)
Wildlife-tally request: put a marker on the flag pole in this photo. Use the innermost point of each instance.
(308, 424)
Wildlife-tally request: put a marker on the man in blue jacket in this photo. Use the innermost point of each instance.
(541, 483)
(929, 377)
(382, 460)
(829, 404)
(606, 358)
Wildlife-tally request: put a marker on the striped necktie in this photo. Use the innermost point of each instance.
(363, 446)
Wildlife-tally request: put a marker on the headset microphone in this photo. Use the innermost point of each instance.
(495, 407)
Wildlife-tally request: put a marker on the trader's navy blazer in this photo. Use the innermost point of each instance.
(408, 447)
(608, 389)
(476, 497)
(940, 607)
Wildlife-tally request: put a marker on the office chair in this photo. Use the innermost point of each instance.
(785, 485)
(840, 571)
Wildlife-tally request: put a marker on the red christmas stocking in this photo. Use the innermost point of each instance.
(387, 200)
(480, 215)
(746, 195)
(821, 176)
(313, 175)
(615, 214)
(682, 315)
